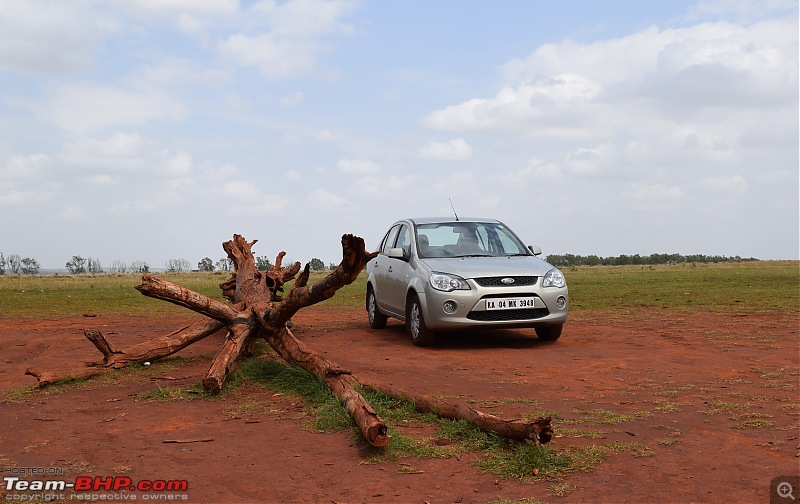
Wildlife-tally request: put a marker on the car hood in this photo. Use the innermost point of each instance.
(472, 267)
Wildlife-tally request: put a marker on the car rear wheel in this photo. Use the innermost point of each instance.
(415, 323)
(549, 333)
(377, 320)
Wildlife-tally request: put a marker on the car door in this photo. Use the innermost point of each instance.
(383, 269)
(391, 273)
(398, 272)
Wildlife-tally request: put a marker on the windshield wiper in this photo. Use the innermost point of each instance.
(476, 255)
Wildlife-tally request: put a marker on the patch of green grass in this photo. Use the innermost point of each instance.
(780, 373)
(274, 375)
(610, 418)
(669, 441)
(526, 461)
(667, 407)
(499, 402)
(163, 394)
(581, 433)
(561, 489)
(754, 423)
(760, 286)
(74, 295)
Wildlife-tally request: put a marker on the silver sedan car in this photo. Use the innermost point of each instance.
(445, 274)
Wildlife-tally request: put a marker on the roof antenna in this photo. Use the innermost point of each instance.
(454, 208)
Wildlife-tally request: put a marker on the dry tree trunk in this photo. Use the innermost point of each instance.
(259, 309)
(537, 430)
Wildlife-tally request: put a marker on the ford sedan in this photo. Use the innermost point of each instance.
(449, 274)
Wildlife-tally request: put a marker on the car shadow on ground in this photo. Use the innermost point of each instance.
(473, 338)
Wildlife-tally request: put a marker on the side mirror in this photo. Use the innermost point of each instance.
(396, 253)
(536, 249)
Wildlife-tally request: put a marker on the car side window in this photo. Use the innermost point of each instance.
(404, 241)
(388, 241)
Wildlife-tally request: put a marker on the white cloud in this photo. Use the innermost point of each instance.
(15, 197)
(456, 149)
(726, 184)
(82, 107)
(304, 18)
(329, 136)
(385, 188)
(746, 9)
(133, 207)
(175, 73)
(50, 37)
(101, 180)
(25, 167)
(241, 191)
(70, 213)
(543, 169)
(326, 199)
(586, 161)
(276, 58)
(190, 16)
(267, 204)
(121, 151)
(654, 193)
(24, 181)
(710, 73)
(292, 100)
(294, 39)
(358, 166)
(179, 165)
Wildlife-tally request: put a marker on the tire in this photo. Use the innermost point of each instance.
(415, 324)
(549, 333)
(377, 320)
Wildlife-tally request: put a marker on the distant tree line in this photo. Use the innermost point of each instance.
(18, 265)
(262, 264)
(593, 260)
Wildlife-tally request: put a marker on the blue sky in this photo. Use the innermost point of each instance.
(156, 129)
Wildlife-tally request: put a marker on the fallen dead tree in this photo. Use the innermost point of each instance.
(258, 308)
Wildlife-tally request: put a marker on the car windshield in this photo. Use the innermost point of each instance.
(467, 239)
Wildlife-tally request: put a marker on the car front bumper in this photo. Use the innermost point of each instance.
(461, 309)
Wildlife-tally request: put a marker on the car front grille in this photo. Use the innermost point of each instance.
(508, 315)
(519, 281)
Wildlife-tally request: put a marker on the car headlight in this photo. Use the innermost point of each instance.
(447, 283)
(554, 278)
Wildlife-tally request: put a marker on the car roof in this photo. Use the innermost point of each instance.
(438, 220)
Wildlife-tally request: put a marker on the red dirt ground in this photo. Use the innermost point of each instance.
(712, 400)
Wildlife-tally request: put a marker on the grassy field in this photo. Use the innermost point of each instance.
(761, 286)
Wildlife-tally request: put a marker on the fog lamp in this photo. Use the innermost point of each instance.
(561, 302)
(450, 307)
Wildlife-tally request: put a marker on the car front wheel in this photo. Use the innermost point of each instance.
(415, 323)
(549, 333)
(377, 320)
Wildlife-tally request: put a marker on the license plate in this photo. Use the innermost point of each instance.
(510, 303)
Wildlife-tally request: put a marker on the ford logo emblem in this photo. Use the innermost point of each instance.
(507, 280)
